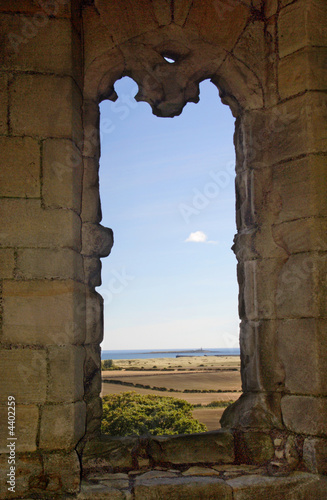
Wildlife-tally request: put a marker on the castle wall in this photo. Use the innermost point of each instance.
(59, 59)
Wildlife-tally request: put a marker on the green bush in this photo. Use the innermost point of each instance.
(107, 364)
(219, 404)
(214, 404)
(132, 414)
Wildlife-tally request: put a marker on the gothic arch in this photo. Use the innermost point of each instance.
(167, 87)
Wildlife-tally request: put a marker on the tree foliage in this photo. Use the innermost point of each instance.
(130, 414)
(107, 364)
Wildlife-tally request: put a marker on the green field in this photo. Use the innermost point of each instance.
(220, 374)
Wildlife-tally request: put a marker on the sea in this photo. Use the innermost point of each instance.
(167, 353)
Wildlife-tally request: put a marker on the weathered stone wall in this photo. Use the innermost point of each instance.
(42, 277)
(59, 58)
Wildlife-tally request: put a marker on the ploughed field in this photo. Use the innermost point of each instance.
(186, 378)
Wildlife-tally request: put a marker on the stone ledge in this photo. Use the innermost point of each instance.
(209, 447)
(111, 453)
(231, 482)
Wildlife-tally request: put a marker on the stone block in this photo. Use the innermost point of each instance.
(93, 417)
(261, 369)
(301, 283)
(295, 295)
(108, 452)
(29, 475)
(220, 23)
(257, 448)
(254, 410)
(43, 312)
(96, 36)
(7, 263)
(41, 44)
(63, 263)
(162, 12)
(91, 122)
(91, 205)
(26, 224)
(63, 472)
(259, 288)
(100, 491)
(284, 131)
(66, 374)
(3, 103)
(20, 167)
(305, 414)
(26, 428)
(271, 8)
(315, 455)
(237, 76)
(128, 20)
(92, 271)
(97, 240)
(60, 8)
(258, 243)
(302, 235)
(302, 353)
(301, 187)
(118, 481)
(181, 11)
(158, 474)
(92, 371)
(215, 446)
(302, 71)
(251, 47)
(315, 112)
(62, 426)
(62, 174)
(94, 318)
(46, 106)
(296, 486)
(283, 3)
(182, 488)
(27, 372)
(256, 204)
(301, 24)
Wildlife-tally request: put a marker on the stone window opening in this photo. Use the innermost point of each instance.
(198, 203)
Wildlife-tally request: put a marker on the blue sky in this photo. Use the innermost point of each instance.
(167, 191)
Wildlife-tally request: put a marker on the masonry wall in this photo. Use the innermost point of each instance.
(43, 291)
(58, 60)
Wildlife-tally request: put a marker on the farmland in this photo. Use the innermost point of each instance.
(198, 380)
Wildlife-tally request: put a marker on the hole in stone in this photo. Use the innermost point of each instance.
(170, 281)
(169, 60)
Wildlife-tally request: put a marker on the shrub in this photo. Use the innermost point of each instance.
(108, 364)
(130, 414)
(219, 404)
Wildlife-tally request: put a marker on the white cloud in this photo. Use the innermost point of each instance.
(197, 237)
